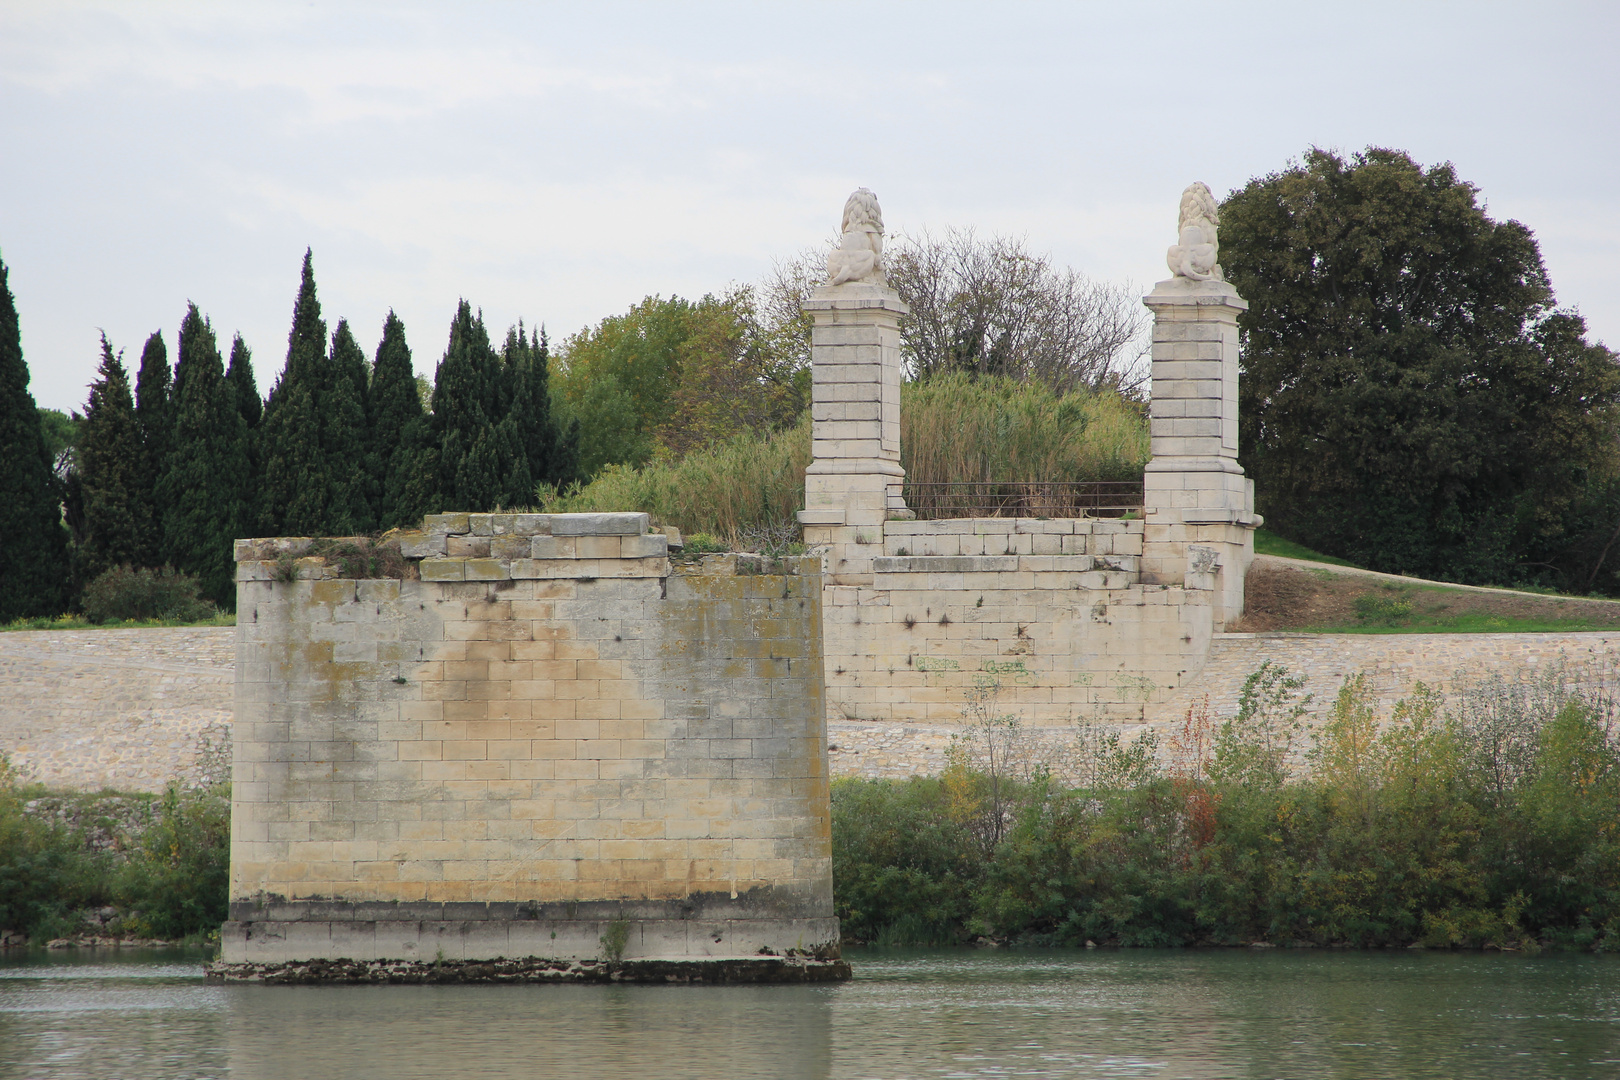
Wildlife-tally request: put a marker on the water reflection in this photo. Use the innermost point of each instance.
(907, 1014)
(502, 1031)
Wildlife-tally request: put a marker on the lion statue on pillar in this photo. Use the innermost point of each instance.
(1194, 254)
(859, 256)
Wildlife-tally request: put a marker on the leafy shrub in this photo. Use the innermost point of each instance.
(702, 544)
(166, 868)
(124, 593)
(1489, 821)
(177, 883)
(45, 872)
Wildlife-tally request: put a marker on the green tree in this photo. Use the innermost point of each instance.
(33, 544)
(671, 375)
(395, 420)
(61, 431)
(344, 436)
(202, 489)
(293, 485)
(548, 455)
(464, 462)
(153, 415)
(240, 375)
(732, 376)
(108, 460)
(1412, 399)
(616, 379)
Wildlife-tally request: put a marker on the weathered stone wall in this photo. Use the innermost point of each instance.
(67, 699)
(1048, 611)
(127, 709)
(1393, 663)
(553, 729)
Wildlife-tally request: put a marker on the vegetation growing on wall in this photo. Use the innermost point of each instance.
(1488, 820)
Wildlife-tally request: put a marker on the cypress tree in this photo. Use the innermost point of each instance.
(208, 465)
(240, 375)
(33, 547)
(294, 482)
(153, 385)
(109, 466)
(250, 407)
(344, 437)
(395, 422)
(466, 397)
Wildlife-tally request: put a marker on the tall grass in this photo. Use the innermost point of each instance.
(745, 482)
(956, 429)
(952, 429)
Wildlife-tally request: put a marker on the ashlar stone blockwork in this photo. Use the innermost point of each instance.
(546, 739)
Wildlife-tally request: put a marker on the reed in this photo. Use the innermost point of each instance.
(726, 489)
(952, 429)
(956, 429)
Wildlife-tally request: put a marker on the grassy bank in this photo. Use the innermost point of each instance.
(1269, 543)
(1325, 601)
(1489, 821)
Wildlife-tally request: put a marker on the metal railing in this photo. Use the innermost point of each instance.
(1050, 499)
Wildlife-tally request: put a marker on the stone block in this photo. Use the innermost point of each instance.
(449, 523)
(651, 546)
(598, 524)
(470, 546)
(443, 569)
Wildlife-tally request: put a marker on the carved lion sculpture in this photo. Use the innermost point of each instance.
(859, 257)
(1194, 255)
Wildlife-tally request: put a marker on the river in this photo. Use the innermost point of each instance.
(964, 1013)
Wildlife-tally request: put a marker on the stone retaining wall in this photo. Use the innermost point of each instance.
(1051, 610)
(128, 709)
(125, 708)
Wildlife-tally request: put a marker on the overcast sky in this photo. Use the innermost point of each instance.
(558, 163)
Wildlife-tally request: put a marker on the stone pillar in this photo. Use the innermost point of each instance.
(1199, 507)
(853, 483)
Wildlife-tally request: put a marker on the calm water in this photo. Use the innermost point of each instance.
(907, 1014)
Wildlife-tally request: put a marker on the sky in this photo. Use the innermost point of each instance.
(557, 163)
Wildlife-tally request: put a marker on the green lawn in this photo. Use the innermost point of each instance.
(1269, 543)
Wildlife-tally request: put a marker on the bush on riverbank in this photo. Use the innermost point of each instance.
(125, 865)
(1489, 821)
